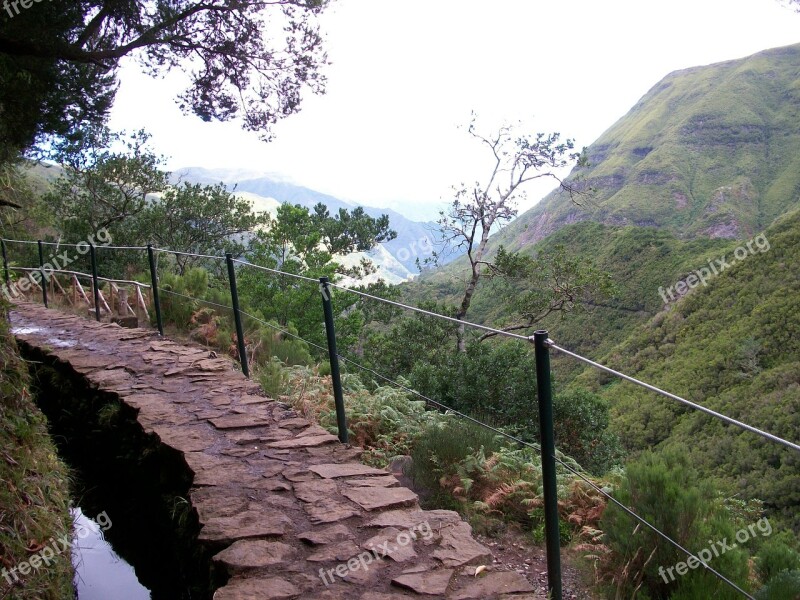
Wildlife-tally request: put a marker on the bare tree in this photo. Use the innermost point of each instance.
(480, 209)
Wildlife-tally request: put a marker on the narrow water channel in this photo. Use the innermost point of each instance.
(141, 540)
(100, 573)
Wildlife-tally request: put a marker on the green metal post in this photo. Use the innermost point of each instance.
(237, 316)
(41, 270)
(154, 288)
(5, 262)
(338, 396)
(545, 396)
(93, 258)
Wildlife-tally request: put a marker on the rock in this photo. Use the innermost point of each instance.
(273, 588)
(458, 548)
(240, 421)
(255, 554)
(248, 524)
(385, 481)
(335, 533)
(312, 491)
(392, 543)
(497, 582)
(372, 498)
(340, 552)
(332, 471)
(408, 519)
(432, 583)
(303, 442)
(329, 511)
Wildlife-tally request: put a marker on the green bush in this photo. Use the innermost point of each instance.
(441, 448)
(777, 555)
(784, 586)
(665, 490)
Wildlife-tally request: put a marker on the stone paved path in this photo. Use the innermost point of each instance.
(293, 512)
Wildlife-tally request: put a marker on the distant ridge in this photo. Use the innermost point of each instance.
(710, 151)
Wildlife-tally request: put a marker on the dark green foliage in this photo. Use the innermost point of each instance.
(666, 491)
(732, 346)
(438, 452)
(784, 586)
(777, 555)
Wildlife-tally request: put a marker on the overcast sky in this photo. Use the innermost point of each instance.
(405, 75)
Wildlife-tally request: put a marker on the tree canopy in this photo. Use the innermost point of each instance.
(244, 59)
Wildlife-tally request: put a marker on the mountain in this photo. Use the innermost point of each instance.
(704, 168)
(732, 345)
(395, 259)
(710, 151)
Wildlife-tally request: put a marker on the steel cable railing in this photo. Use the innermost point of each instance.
(324, 285)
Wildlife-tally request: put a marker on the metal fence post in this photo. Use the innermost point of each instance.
(338, 396)
(237, 316)
(154, 288)
(93, 258)
(5, 262)
(545, 396)
(41, 270)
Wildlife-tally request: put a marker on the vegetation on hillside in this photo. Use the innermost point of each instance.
(34, 494)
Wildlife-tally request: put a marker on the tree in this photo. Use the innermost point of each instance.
(245, 59)
(104, 188)
(480, 209)
(301, 242)
(551, 282)
(195, 218)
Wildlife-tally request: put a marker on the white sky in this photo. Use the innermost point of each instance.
(406, 74)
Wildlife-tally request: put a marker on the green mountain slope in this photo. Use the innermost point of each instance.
(733, 346)
(710, 151)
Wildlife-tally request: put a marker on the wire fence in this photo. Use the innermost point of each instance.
(540, 340)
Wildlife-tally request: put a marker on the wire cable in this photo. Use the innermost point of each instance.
(283, 331)
(209, 302)
(20, 241)
(436, 315)
(276, 271)
(644, 522)
(178, 252)
(683, 401)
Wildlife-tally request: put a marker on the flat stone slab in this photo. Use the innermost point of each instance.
(332, 470)
(328, 510)
(313, 491)
(240, 421)
(329, 535)
(458, 547)
(493, 584)
(433, 583)
(247, 524)
(340, 552)
(305, 441)
(255, 554)
(375, 498)
(273, 588)
(392, 543)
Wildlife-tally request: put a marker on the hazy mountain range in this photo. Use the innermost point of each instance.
(395, 260)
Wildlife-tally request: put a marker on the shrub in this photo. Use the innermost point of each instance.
(776, 556)
(664, 490)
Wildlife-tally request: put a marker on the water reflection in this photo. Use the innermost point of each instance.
(100, 574)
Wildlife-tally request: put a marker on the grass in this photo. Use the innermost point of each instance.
(34, 487)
